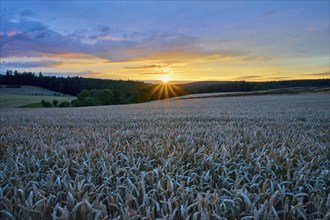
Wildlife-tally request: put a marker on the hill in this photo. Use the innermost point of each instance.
(286, 91)
(28, 90)
(195, 87)
(29, 96)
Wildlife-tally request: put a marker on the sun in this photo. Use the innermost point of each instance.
(165, 79)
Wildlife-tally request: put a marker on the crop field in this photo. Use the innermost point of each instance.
(16, 97)
(28, 90)
(13, 101)
(254, 157)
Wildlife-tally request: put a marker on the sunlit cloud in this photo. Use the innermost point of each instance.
(145, 67)
(12, 33)
(248, 77)
(150, 73)
(256, 58)
(325, 74)
(276, 78)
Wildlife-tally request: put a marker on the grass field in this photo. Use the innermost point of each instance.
(253, 157)
(293, 90)
(29, 95)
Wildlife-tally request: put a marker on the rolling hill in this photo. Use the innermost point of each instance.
(26, 95)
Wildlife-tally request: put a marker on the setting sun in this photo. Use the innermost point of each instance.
(165, 79)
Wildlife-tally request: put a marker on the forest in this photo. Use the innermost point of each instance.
(243, 86)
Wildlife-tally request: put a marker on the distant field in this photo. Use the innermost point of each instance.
(13, 101)
(251, 157)
(293, 90)
(16, 97)
(29, 90)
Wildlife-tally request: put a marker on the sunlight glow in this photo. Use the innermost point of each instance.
(165, 79)
(163, 91)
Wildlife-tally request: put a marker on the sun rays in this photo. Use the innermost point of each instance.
(164, 90)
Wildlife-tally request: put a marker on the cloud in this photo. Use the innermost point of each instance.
(256, 58)
(102, 37)
(183, 55)
(150, 73)
(88, 73)
(145, 67)
(102, 28)
(97, 74)
(248, 77)
(31, 64)
(275, 78)
(318, 74)
(34, 39)
(26, 13)
(269, 13)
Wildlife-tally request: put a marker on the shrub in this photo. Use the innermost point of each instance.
(64, 104)
(46, 103)
(55, 102)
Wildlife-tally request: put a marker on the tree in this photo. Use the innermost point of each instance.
(83, 95)
(45, 103)
(9, 73)
(55, 102)
(103, 96)
(64, 104)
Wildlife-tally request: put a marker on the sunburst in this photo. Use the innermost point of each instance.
(164, 90)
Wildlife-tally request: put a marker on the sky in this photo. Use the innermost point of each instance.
(175, 40)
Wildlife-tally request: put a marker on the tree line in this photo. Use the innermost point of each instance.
(243, 86)
(85, 98)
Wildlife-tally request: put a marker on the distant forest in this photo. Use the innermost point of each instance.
(242, 86)
(124, 92)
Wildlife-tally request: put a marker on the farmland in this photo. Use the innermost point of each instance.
(25, 95)
(261, 157)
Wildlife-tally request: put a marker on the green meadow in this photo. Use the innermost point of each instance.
(29, 96)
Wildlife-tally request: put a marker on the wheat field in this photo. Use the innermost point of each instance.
(256, 157)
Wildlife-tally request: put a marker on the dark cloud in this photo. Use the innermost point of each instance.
(26, 13)
(102, 28)
(247, 77)
(150, 73)
(31, 38)
(269, 13)
(256, 58)
(31, 64)
(145, 67)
